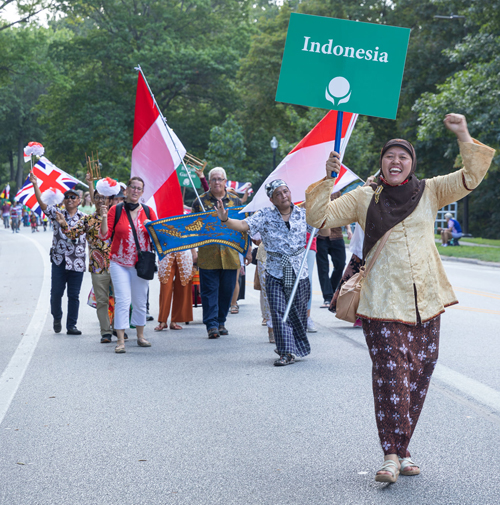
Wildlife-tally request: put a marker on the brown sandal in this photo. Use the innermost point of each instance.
(161, 327)
(175, 326)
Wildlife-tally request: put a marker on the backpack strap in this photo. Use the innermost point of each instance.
(147, 210)
(118, 213)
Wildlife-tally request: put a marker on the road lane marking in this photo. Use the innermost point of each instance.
(478, 293)
(470, 387)
(14, 372)
(472, 309)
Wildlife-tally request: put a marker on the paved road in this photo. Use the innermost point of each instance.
(196, 421)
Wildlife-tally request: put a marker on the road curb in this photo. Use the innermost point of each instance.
(471, 260)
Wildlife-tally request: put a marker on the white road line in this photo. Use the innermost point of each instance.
(18, 364)
(470, 387)
(460, 383)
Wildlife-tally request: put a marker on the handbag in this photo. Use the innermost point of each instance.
(350, 292)
(146, 260)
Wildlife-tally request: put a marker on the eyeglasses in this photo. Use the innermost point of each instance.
(135, 188)
(217, 180)
(71, 197)
(98, 198)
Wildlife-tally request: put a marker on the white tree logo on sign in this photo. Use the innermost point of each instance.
(338, 89)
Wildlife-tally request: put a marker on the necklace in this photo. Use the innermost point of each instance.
(287, 213)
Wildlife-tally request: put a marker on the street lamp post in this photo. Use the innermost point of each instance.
(274, 146)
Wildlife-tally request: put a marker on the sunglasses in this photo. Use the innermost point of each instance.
(70, 197)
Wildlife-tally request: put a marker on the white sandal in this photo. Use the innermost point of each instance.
(388, 466)
(408, 463)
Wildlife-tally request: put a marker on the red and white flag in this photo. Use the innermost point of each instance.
(154, 157)
(305, 163)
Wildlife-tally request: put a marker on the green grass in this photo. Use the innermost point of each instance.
(479, 253)
(482, 241)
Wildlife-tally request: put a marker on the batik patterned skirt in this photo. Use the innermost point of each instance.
(403, 358)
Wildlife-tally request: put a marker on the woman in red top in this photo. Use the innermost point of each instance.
(128, 287)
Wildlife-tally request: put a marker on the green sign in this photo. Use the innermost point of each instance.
(184, 179)
(343, 65)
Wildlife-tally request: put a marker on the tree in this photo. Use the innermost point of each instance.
(472, 91)
(20, 91)
(26, 10)
(189, 51)
(227, 149)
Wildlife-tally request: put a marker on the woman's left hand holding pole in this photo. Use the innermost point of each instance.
(333, 164)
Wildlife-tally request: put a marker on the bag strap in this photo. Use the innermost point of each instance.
(377, 252)
(133, 231)
(118, 213)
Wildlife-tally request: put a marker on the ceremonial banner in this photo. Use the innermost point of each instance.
(179, 233)
(49, 177)
(343, 65)
(154, 157)
(305, 163)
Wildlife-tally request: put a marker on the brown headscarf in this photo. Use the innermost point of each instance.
(391, 204)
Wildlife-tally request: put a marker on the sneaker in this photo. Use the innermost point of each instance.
(149, 317)
(57, 325)
(445, 245)
(223, 330)
(213, 333)
(106, 339)
(310, 326)
(286, 359)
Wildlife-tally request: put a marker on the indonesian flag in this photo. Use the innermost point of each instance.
(305, 163)
(154, 157)
(49, 177)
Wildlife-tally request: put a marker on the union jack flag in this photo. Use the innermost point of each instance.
(49, 176)
(239, 187)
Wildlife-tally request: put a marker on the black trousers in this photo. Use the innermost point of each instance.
(62, 278)
(336, 250)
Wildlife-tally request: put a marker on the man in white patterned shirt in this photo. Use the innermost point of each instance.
(283, 229)
(67, 258)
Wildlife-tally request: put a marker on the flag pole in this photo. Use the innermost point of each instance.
(170, 135)
(295, 286)
(338, 135)
(338, 138)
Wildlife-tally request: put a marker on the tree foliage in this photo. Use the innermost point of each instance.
(213, 66)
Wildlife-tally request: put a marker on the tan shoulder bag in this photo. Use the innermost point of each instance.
(350, 292)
